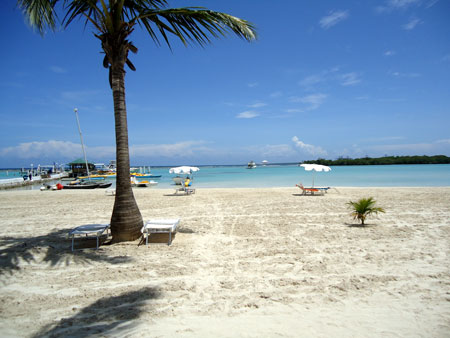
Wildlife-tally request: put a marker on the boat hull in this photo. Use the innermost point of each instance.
(81, 186)
(146, 176)
(103, 185)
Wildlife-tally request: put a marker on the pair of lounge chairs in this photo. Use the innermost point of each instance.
(153, 226)
(312, 191)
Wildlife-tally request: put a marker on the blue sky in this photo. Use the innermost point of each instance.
(324, 79)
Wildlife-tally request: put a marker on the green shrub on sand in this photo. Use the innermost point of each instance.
(363, 208)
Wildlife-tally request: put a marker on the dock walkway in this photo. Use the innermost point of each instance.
(20, 182)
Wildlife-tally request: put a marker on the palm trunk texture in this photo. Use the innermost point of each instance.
(126, 219)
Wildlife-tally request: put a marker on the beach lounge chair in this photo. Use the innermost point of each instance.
(90, 229)
(186, 190)
(324, 189)
(311, 191)
(158, 226)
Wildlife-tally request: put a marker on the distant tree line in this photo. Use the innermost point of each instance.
(386, 160)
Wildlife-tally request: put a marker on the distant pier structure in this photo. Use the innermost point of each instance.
(38, 175)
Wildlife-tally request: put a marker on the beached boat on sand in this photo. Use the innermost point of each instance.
(82, 186)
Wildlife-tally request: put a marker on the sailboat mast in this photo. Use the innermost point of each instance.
(82, 144)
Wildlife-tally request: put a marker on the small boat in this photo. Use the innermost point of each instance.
(92, 177)
(145, 175)
(251, 165)
(146, 183)
(82, 186)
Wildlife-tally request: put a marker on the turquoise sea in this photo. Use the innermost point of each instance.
(423, 175)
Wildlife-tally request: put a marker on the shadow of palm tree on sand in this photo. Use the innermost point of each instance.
(106, 316)
(56, 249)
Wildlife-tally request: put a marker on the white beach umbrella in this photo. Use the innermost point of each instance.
(314, 168)
(183, 170)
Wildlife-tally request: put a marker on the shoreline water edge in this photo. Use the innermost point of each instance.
(288, 175)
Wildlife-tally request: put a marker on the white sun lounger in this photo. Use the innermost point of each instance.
(158, 226)
(90, 229)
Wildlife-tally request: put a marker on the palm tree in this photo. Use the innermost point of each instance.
(114, 21)
(363, 208)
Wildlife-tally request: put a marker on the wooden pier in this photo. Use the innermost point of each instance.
(11, 183)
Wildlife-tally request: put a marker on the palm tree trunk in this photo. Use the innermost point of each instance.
(126, 219)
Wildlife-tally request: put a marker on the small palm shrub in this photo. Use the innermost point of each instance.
(363, 208)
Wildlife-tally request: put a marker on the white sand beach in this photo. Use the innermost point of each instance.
(244, 263)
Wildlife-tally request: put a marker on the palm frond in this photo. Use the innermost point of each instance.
(193, 24)
(87, 9)
(40, 14)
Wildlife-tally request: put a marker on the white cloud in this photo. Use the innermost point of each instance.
(257, 105)
(412, 24)
(408, 149)
(63, 150)
(391, 99)
(407, 75)
(384, 138)
(277, 151)
(248, 114)
(432, 148)
(52, 148)
(308, 148)
(312, 80)
(333, 19)
(276, 94)
(312, 101)
(329, 76)
(362, 98)
(252, 84)
(389, 53)
(350, 79)
(294, 110)
(431, 3)
(80, 96)
(58, 70)
(391, 5)
(402, 3)
(180, 149)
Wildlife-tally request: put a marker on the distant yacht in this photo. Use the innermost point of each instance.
(251, 165)
(265, 162)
